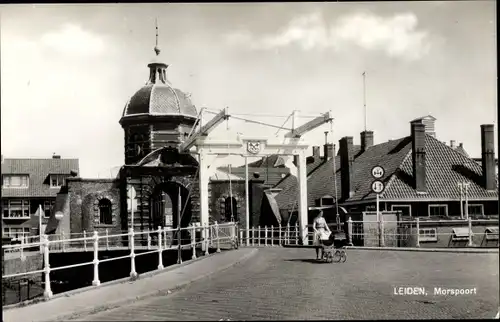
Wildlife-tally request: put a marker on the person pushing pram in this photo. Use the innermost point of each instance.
(322, 234)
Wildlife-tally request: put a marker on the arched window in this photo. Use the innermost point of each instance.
(231, 209)
(105, 215)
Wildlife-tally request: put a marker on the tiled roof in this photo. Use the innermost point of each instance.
(270, 161)
(220, 175)
(38, 171)
(445, 168)
(159, 99)
(271, 176)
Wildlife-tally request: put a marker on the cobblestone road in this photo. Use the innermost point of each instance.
(282, 283)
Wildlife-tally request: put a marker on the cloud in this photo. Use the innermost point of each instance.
(72, 39)
(397, 36)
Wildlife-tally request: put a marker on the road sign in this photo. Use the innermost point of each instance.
(377, 186)
(377, 172)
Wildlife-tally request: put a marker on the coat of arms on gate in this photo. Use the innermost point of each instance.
(253, 147)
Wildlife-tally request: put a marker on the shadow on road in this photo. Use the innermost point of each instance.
(305, 260)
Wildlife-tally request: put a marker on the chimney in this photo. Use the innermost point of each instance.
(488, 156)
(346, 159)
(366, 140)
(453, 144)
(461, 145)
(55, 156)
(316, 154)
(328, 148)
(418, 155)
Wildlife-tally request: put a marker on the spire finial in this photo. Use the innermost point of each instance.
(157, 49)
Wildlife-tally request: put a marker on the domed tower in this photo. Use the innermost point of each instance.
(157, 115)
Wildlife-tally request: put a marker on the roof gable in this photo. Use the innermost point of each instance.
(38, 171)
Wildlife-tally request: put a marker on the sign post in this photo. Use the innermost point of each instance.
(378, 187)
(131, 196)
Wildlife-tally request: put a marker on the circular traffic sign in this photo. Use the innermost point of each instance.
(377, 186)
(378, 172)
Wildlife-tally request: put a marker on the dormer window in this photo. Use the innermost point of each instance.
(327, 201)
(15, 181)
(57, 180)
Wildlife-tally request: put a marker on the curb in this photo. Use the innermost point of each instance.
(415, 249)
(129, 300)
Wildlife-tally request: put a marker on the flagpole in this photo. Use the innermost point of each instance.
(364, 98)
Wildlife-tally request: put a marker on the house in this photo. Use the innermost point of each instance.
(27, 184)
(422, 176)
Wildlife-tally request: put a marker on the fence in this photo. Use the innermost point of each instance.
(157, 241)
(424, 233)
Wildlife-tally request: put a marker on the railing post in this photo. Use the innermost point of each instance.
(149, 241)
(272, 235)
(207, 232)
(381, 225)
(84, 241)
(265, 235)
(133, 273)
(48, 291)
(23, 258)
(216, 227)
(232, 229)
(160, 249)
(470, 231)
(418, 232)
(258, 235)
(63, 241)
(296, 233)
(279, 227)
(96, 281)
(253, 236)
(107, 239)
(349, 231)
(241, 237)
(165, 237)
(287, 234)
(193, 241)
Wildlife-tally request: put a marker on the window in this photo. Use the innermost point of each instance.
(371, 208)
(105, 215)
(16, 232)
(231, 207)
(48, 206)
(57, 180)
(327, 201)
(475, 210)
(16, 209)
(404, 209)
(427, 234)
(438, 210)
(15, 181)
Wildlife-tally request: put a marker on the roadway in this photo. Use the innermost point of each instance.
(286, 283)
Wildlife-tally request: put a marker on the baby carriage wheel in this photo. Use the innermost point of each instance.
(343, 256)
(336, 257)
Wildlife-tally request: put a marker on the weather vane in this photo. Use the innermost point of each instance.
(157, 49)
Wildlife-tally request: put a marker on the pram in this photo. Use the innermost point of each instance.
(333, 248)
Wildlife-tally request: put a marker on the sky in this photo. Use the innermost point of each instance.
(67, 71)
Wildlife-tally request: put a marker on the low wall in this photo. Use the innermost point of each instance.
(444, 233)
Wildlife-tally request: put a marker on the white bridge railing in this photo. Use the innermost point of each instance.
(157, 241)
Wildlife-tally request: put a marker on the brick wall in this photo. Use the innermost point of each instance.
(219, 191)
(84, 200)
